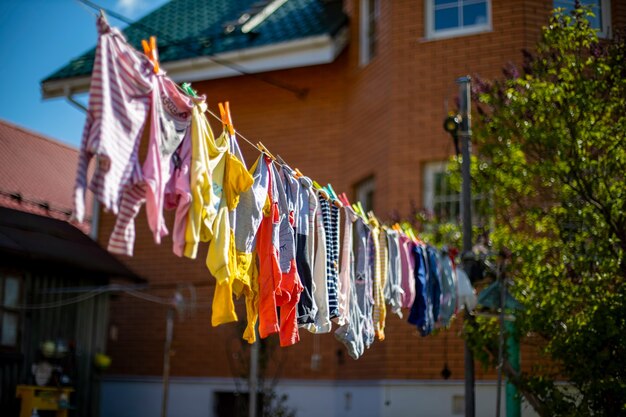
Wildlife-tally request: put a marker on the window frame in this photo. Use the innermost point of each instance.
(430, 171)
(4, 274)
(607, 24)
(362, 189)
(432, 34)
(366, 17)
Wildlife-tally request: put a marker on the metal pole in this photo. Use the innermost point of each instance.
(465, 134)
(501, 339)
(513, 400)
(254, 377)
(169, 333)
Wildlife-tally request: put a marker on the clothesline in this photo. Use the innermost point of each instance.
(274, 236)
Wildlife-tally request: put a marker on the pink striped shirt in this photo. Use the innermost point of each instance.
(169, 122)
(119, 100)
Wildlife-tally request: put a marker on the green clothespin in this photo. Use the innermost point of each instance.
(361, 209)
(331, 192)
(321, 189)
(187, 88)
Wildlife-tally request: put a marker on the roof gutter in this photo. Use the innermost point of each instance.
(315, 50)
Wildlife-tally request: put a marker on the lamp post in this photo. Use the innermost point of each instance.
(459, 126)
(465, 134)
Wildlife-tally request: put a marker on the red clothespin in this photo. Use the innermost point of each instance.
(344, 198)
(227, 121)
(151, 51)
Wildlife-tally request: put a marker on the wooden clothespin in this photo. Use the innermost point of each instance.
(227, 120)
(263, 149)
(151, 51)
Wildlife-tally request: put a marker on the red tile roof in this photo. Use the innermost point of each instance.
(39, 169)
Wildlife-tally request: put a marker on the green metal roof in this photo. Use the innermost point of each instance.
(193, 28)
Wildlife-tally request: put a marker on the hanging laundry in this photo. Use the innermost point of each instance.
(347, 259)
(178, 193)
(247, 212)
(304, 239)
(248, 217)
(267, 246)
(379, 277)
(200, 182)
(434, 283)
(330, 215)
(448, 287)
(351, 332)
(467, 295)
(322, 323)
(305, 276)
(170, 118)
(119, 101)
(230, 178)
(364, 271)
(290, 285)
(393, 290)
(421, 314)
(407, 263)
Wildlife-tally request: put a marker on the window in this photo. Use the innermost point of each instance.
(10, 295)
(443, 201)
(235, 403)
(370, 9)
(447, 18)
(440, 198)
(600, 8)
(364, 192)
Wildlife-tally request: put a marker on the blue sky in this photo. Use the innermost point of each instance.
(38, 37)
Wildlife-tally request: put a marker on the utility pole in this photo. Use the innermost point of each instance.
(465, 135)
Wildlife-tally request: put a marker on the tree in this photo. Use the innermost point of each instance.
(551, 141)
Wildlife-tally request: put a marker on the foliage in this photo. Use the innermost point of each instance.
(551, 144)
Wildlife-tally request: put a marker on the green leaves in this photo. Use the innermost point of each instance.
(552, 154)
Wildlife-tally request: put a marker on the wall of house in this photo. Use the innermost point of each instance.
(384, 120)
(196, 397)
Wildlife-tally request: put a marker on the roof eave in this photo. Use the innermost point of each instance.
(315, 50)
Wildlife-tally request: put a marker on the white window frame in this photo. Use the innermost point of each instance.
(431, 33)
(605, 9)
(365, 52)
(363, 188)
(431, 169)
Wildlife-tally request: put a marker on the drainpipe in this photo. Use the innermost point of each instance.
(95, 207)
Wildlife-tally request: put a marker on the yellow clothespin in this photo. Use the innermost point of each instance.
(227, 120)
(263, 149)
(321, 190)
(151, 51)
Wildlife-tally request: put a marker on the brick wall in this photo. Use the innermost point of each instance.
(383, 119)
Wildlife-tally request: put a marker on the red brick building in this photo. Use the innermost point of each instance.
(373, 81)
